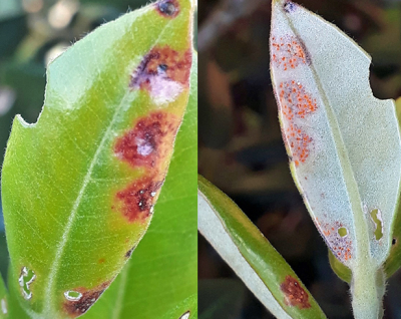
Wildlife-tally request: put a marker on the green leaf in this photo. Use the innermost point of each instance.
(393, 262)
(79, 186)
(255, 261)
(162, 271)
(344, 144)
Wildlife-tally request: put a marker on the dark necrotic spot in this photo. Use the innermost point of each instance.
(136, 201)
(168, 8)
(394, 241)
(77, 308)
(149, 142)
(295, 295)
(162, 62)
(129, 252)
(289, 6)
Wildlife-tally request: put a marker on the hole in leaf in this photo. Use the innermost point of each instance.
(4, 306)
(376, 216)
(185, 315)
(342, 231)
(72, 295)
(26, 278)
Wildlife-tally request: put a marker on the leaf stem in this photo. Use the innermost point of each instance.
(367, 290)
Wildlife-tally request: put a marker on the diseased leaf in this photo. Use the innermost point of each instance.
(344, 144)
(79, 186)
(162, 271)
(240, 243)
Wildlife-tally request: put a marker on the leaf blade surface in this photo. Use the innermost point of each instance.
(79, 186)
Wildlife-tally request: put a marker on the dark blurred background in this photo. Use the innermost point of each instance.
(241, 149)
(32, 32)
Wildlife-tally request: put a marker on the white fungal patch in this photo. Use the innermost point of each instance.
(144, 146)
(26, 278)
(4, 306)
(164, 90)
(185, 315)
(72, 295)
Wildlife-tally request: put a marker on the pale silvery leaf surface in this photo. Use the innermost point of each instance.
(343, 143)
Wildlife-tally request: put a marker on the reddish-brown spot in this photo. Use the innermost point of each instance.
(89, 296)
(137, 200)
(168, 8)
(102, 260)
(295, 295)
(150, 141)
(165, 63)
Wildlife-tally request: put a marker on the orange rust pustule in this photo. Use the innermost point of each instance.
(295, 295)
(164, 62)
(89, 297)
(288, 52)
(137, 200)
(150, 141)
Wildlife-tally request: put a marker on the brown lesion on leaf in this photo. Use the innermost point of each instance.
(168, 8)
(129, 252)
(88, 298)
(150, 141)
(149, 146)
(164, 73)
(136, 201)
(295, 295)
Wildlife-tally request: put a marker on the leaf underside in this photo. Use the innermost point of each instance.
(343, 143)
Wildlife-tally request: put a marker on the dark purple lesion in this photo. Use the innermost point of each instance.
(168, 8)
(129, 252)
(289, 6)
(88, 298)
(136, 201)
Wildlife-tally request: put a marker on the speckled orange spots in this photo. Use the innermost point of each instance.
(295, 295)
(150, 141)
(89, 296)
(287, 53)
(136, 201)
(341, 246)
(295, 101)
(299, 143)
(296, 104)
